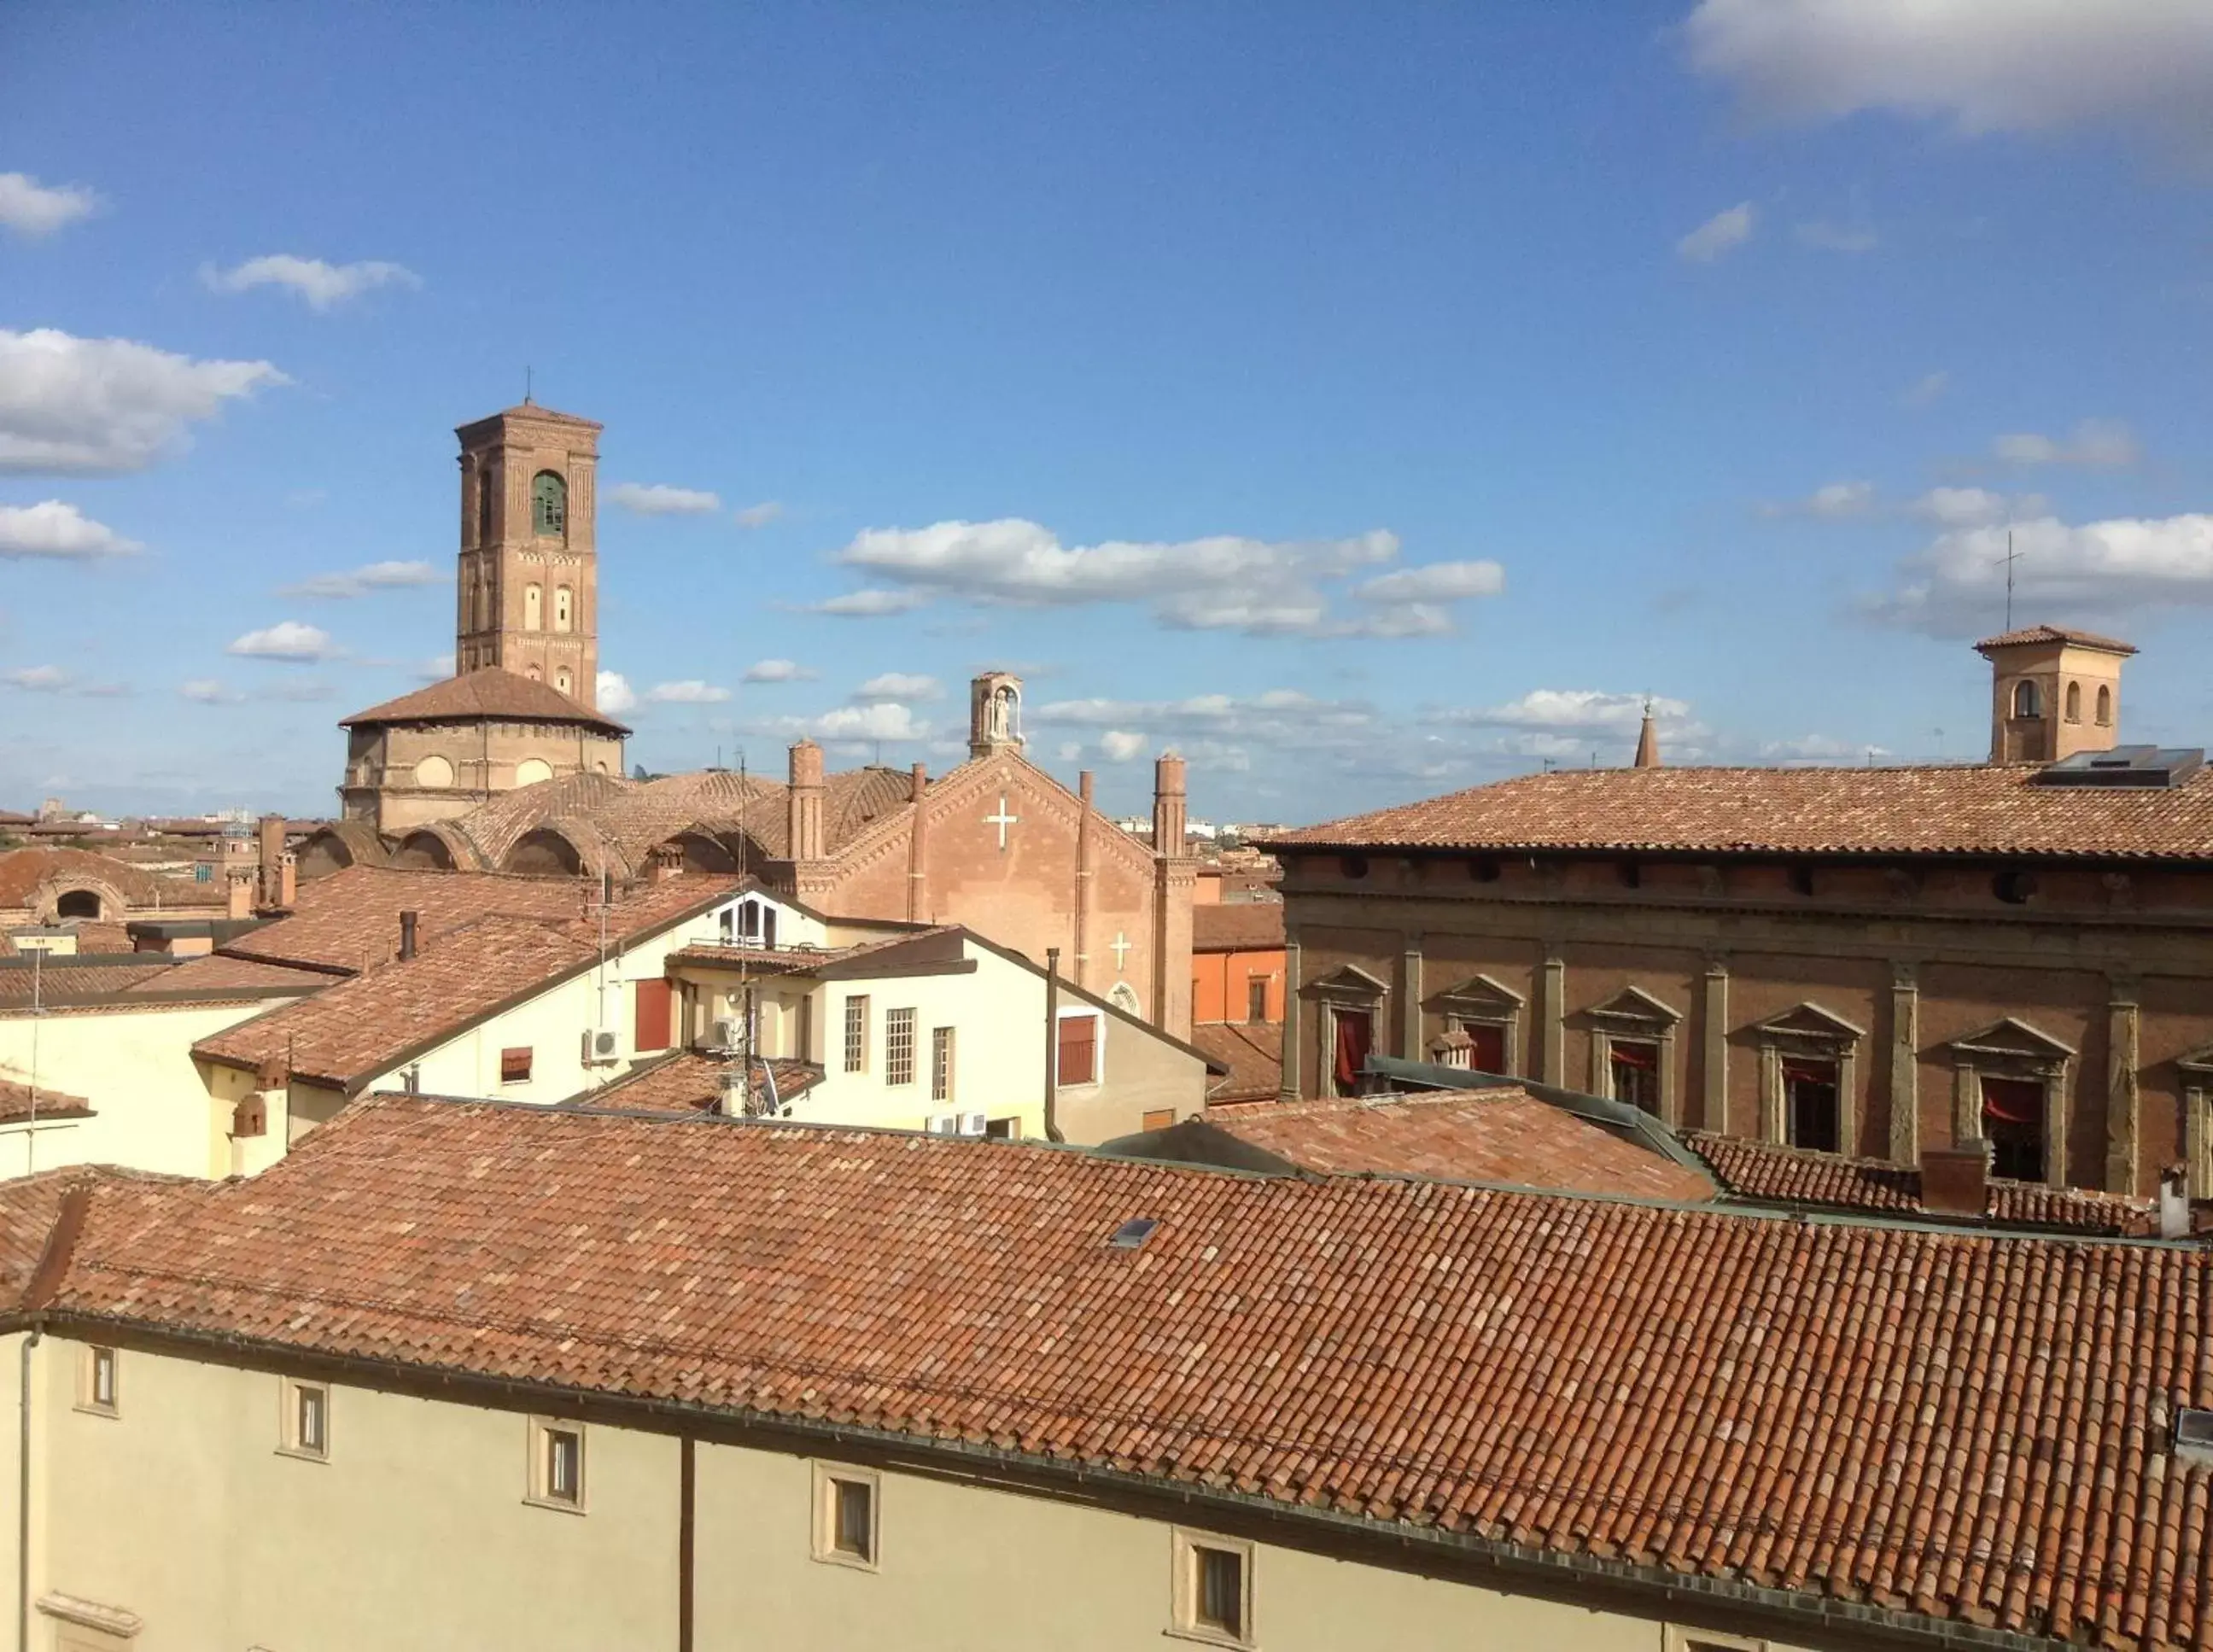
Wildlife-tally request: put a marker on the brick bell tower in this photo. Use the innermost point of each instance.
(528, 596)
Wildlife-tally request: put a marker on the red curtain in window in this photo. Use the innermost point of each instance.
(2013, 1100)
(1355, 1036)
(1486, 1042)
(1643, 1056)
(1808, 1072)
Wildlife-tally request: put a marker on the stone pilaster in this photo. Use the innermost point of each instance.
(1713, 1023)
(1905, 1065)
(2123, 1100)
(1288, 1090)
(1410, 1002)
(1553, 1045)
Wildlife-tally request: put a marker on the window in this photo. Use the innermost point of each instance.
(1634, 1068)
(1002, 1129)
(549, 504)
(484, 505)
(2027, 701)
(1352, 1034)
(1256, 999)
(562, 615)
(561, 680)
(533, 608)
(899, 1046)
(2104, 707)
(1211, 1593)
(2074, 701)
(1159, 1117)
(654, 1001)
(941, 1064)
(756, 925)
(1486, 1043)
(557, 1465)
(1076, 1059)
(1810, 1104)
(846, 1516)
(856, 1034)
(515, 1065)
(78, 903)
(2013, 1118)
(97, 1388)
(305, 1422)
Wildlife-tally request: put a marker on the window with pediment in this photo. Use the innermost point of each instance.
(2009, 1085)
(1808, 1079)
(1632, 1051)
(1350, 1002)
(1480, 1026)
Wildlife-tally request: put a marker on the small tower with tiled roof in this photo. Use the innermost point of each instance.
(1648, 741)
(2054, 691)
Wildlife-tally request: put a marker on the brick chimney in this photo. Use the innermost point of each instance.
(1170, 811)
(408, 922)
(1955, 1180)
(805, 801)
(273, 869)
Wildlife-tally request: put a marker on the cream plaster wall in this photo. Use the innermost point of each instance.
(415, 1533)
(135, 1066)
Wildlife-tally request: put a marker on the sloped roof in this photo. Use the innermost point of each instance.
(350, 921)
(19, 1103)
(686, 1082)
(1933, 810)
(490, 692)
(1237, 926)
(1252, 1054)
(2088, 639)
(1956, 1428)
(23, 872)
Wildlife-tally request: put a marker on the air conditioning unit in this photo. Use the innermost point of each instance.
(601, 1047)
(726, 1032)
(972, 1123)
(942, 1124)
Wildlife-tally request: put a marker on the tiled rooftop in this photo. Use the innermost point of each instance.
(1967, 1427)
(492, 692)
(16, 1106)
(1500, 1134)
(23, 871)
(1962, 809)
(2057, 634)
(688, 1081)
(1790, 1175)
(1252, 1052)
(64, 981)
(1237, 926)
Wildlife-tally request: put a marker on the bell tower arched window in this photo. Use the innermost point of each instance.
(549, 504)
(562, 615)
(2074, 701)
(533, 608)
(2104, 707)
(2027, 701)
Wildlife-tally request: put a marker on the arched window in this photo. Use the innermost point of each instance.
(549, 502)
(2027, 701)
(78, 903)
(562, 611)
(483, 506)
(534, 604)
(561, 680)
(535, 673)
(2104, 707)
(2074, 701)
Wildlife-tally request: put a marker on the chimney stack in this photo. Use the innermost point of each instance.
(804, 803)
(1648, 741)
(1170, 810)
(408, 922)
(1955, 1180)
(269, 839)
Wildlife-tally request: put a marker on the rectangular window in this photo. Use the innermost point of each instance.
(1809, 1104)
(1354, 1037)
(1486, 1043)
(845, 1516)
(941, 1064)
(899, 1046)
(515, 1065)
(1256, 999)
(1077, 1058)
(2013, 1118)
(856, 1034)
(97, 1390)
(305, 1423)
(1634, 1068)
(1212, 1594)
(1002, 1129)
(556, 1464)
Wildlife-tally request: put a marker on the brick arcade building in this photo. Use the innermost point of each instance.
(1867, 961)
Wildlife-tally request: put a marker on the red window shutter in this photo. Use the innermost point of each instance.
(1486, 1042)
(1079, 1049)
(653, 1001)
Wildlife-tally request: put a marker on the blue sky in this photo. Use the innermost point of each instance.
(1365, 400)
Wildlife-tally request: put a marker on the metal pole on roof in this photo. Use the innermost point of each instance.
(1051, 1040)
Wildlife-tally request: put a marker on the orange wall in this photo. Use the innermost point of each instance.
(1218, 979)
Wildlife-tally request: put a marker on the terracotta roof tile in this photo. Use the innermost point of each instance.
(350, 921)
(690, 1082)
(493, 693)
(24, 871)
(1499, 1135)
(16, 1098)
(1252, 1052)
(2057, 634)
(1788, 1175)
(1238, 926)
(1967, 1426)
(217, 972)
(1979, 810)
(64, 981)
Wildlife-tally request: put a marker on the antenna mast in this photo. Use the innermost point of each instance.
(2010, 558)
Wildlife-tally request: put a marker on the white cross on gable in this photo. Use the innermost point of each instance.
(1120, 949)
(1002, 820)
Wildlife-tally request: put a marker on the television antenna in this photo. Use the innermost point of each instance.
(2010, 558)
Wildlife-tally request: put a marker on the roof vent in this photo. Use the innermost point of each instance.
(1132, 1235)
(2125, 765)
(2193, 1433)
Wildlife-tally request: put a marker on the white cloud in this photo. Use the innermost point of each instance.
(1723, 232)
(2097, 444)
(759, 515)
(37, 680)
(867, 604)
(1974, 507)
(375, 576)
(615, 695)
(322, 285)
(1565, 710)
(288, 640)
(436, 668)
(30, 207)
(1121, 746)
(883, 721)
(52, 529)
(1810, 749)
(690, 691)
(1824, 237)
(207, 691)
(2103, 570)
(102, 405)
(1984, 65)
(779, 671)
(1926, 388)
(1259, 587)
(658, 499)
(1833, 500)
(899, 685)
